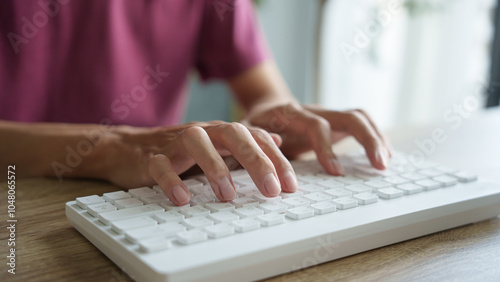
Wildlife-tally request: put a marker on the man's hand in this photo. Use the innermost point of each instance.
(148, 156)
(313, 128)
(270, 105)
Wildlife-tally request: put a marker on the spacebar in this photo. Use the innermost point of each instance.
(108, 217)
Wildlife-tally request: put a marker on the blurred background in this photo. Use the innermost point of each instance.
(403, 61)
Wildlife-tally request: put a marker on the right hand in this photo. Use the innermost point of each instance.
(145, 156)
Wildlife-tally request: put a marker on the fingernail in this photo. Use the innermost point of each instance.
(337, 166)
(180, 195)
(290, 181)
(381, 156)
(226, 189)
(272, 185)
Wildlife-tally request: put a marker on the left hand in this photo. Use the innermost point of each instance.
(303, 128)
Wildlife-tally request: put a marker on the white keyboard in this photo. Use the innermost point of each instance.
(254, 237)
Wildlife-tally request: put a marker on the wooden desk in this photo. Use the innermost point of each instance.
(49, 249)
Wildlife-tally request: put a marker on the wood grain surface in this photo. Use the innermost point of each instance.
(50, 249)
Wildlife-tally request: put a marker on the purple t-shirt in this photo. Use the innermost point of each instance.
(93, 61)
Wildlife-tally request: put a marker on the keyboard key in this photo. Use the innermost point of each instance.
(138, 192)
(82, 202)
(295, 202)
(242, 191)
(219, 230)
(464, 176)
(120, 226)
(349, 180)
(205, 190)
(263, 199)
(410, 188)
(358, 188)
(338, 193)
(300, 213)
(366, 176)
(128, 203)
(446, 169)
(244, 202)
(378, 184)
(155, 244)
(248, 212)
(309, 178)
(389, 193)
(169, 206)
(194, 211)
(219, 206)
(197, 222)
(317, 197)
(191, 236)
(246, 224)
(370, 170)
(96, 209)
(413, 176)
(161, 230)
(150, 209)
(431, 172)
(153, 198)
(330, 183)
(396, 180)
(446, 180)
(201, 200)
(113, 196)
(345, 203)
(428, 184)
(273, 207)
(323, 207)
(271, 219)
(285, 195)
(243, 180)
(311, 188)
(169, 216)
(223, 216)
(366, 198)
(192, 183)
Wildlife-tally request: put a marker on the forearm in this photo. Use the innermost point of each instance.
(50, 149)
(260, 88)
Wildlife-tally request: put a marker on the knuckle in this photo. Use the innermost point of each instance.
(261, 134)
(354, 117)
(232, 129)
(192, 132)
(319, 123)
(237, 127)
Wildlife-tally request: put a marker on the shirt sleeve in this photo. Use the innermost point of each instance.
(230, 40)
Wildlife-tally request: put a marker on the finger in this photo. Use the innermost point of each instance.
(318, 132)
(283, 167)
(377, 130)
(196, 142)
(358, 126)
(236, 138)
(161, 170)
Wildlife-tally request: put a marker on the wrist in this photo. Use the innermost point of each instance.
(79, 151)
